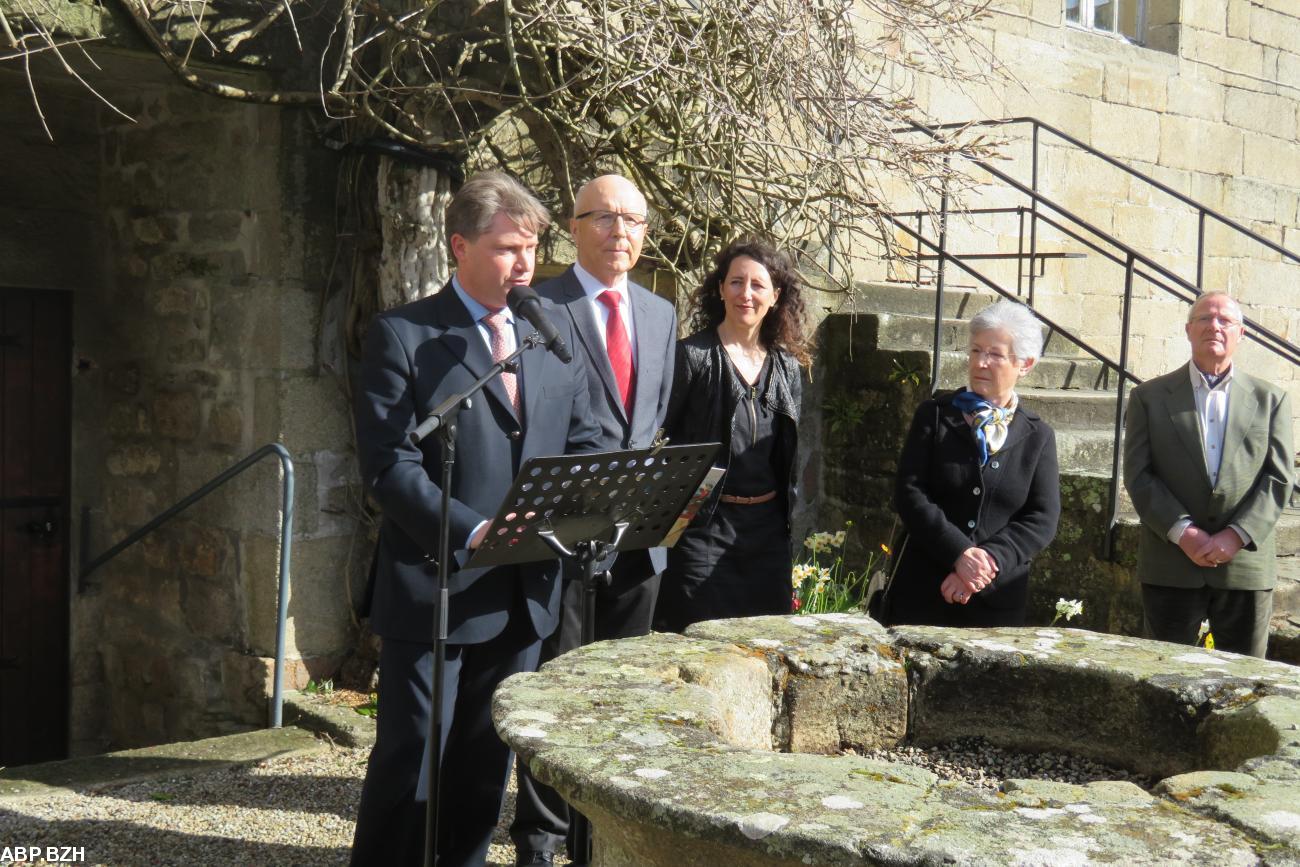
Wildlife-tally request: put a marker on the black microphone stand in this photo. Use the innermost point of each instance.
(442, 420)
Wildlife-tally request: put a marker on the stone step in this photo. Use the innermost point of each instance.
(916, 332)
(906, 299)
(1049, 372)
(1072, 408)
(1286, 596)
(1084, 450)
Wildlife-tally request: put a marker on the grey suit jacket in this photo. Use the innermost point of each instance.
(655, 324)
(1165, 474)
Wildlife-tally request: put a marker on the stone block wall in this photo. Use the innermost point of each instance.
(195, 236)
(1209, 106)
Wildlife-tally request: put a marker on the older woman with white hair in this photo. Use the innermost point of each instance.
(977, 489)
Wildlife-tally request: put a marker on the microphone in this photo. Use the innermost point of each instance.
(523, 301)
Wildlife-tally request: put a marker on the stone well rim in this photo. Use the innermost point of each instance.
(657, 776)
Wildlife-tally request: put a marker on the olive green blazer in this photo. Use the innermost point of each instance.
(1165, 474)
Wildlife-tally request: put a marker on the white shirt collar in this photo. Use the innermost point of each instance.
(1199, 380)
(594, 287)
(476, 310)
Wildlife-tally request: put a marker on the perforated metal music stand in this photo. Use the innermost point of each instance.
(576, 499)
(583, 508)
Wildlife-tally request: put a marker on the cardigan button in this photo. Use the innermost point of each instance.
(976, 492)
(994, 465)
(970, 524)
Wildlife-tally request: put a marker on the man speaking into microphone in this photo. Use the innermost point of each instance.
(416, 356)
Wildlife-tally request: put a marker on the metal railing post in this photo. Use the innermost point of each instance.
(286, 542)
(1033, 215)
(1113, 518)
(282, 589)
(1020, 254)
(920, 227)
(1200, 248)
(938, 283)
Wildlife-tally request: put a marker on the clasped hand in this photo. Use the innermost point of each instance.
(974, 570)
(1205, 549)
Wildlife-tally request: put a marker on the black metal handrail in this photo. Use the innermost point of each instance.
(1127, 256)
(286, 541)
(1053, 325)
(1255, 332)
(1137, 173)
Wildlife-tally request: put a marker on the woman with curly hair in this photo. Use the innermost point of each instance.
(737, 382)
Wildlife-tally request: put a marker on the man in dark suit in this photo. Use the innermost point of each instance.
(415, 356)
(1208, 463)
(627, 337)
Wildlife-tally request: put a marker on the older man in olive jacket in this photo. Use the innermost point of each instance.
(1208, 463)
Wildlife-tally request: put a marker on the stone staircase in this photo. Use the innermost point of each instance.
(1069, 388)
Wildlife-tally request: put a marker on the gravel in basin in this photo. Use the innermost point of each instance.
(979, 763)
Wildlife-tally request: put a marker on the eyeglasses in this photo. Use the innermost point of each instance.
(1221, 321)
(994, 359)
(604, 220)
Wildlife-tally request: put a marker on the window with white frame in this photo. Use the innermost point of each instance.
(1125, 18)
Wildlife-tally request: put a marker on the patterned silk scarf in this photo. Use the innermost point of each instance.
(989, 422)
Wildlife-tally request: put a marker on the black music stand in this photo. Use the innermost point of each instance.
(583, 508)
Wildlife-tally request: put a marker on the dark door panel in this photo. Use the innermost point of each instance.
(35, 371)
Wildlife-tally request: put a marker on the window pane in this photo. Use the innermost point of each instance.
(1103, 15)
(1129, 19)
(1072, 10)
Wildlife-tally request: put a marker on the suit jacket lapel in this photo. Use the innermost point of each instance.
(1182, 414)
(588, 328)
(477, 358)
(1243, 404)
(649, 362)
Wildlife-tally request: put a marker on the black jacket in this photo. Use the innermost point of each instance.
(704, 400)
(948, 503)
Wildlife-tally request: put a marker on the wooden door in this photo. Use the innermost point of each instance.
(35, 409)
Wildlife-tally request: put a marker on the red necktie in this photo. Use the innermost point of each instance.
(620, 350)
(496, 322)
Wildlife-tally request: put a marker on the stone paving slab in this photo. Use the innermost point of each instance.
(340, 723)
(190, 758)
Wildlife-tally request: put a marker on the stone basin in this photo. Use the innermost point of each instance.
(720, 747)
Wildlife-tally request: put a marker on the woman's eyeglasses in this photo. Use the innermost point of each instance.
(994, 359)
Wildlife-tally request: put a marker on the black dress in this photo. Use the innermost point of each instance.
(736, 562)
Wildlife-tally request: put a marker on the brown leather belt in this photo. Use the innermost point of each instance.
(748, 501)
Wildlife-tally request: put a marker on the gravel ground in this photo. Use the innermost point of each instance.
(979, 763)
(278, 813)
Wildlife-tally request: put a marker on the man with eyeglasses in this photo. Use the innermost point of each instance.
(1208, 463)
(628, 338)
